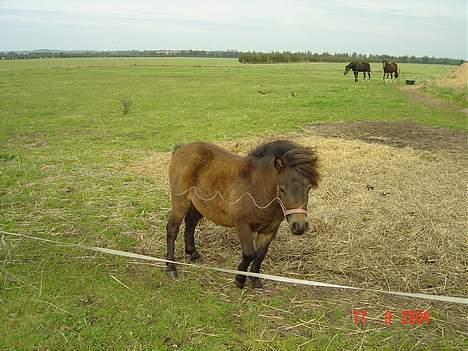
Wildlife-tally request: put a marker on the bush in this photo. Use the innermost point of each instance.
(126, 105)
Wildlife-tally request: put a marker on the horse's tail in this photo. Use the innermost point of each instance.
(397, 73)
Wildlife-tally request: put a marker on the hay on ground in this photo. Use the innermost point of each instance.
(382, 218)
(457, 79)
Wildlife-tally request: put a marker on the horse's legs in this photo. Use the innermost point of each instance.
(245, 237)
(191, 220)
(368, 74)
(355, 76)
(262, 243)
(178, 212)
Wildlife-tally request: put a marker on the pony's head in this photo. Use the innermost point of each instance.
(347, 68)
(297, 174)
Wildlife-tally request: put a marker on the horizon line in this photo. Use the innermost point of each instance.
(231, 50)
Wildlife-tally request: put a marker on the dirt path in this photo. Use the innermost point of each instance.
(416, 95)
(397, 134)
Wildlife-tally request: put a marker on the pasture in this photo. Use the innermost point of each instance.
(73, 168)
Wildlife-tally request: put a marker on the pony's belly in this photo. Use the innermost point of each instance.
(215, 212)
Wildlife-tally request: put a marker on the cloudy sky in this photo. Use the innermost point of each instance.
(396, 27)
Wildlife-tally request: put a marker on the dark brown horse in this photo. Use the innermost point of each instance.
(390, 68)
(252, 194)
(357, 67)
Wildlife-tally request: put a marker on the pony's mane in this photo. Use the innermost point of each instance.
(303, 159)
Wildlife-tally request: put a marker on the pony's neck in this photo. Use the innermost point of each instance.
(266, 179)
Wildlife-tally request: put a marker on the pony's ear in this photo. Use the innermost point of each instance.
(278, 163)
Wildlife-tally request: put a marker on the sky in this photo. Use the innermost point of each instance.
(395, 27)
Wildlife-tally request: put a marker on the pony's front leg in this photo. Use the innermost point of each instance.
(245, 237)
(178, 212)
(261, 247)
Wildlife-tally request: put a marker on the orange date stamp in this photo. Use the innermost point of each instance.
(406, 317)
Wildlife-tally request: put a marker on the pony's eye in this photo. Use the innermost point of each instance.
(282, 191)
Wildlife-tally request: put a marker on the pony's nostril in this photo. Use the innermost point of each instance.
(294, 227)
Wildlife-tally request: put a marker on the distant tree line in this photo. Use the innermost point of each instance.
(307, 56)
(35, 54)
(244, 57)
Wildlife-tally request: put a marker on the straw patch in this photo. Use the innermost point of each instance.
(382, 217)
(457, 79)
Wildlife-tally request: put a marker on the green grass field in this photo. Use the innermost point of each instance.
(65, 150)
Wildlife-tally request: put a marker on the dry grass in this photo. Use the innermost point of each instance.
(457, 79)
(382, 217)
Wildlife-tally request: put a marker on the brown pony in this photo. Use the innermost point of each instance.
(252, 194)
(390, 68)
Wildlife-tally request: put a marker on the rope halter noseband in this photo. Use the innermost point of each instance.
(287, 212)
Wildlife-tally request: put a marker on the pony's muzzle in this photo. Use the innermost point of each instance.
(298, 224)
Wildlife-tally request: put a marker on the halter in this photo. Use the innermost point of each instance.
(287, 212)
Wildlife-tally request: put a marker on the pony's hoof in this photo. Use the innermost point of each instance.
(257, 284)
(239, 284)
(193, 256)
(172, 274)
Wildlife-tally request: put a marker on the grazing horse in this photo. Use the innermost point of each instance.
(358, 67)
(389, 68)
(253, 194)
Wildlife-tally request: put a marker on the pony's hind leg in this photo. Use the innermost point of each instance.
(178, 212)
(191, 220)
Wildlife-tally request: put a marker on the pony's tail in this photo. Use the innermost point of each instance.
(397, 73)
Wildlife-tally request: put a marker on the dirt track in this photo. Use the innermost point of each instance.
(415, 94)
